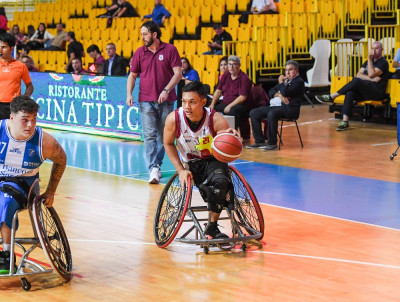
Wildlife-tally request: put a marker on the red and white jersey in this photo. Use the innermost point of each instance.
(194, 144)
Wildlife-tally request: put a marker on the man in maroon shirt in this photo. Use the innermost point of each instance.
(234, 86)
(160, 68)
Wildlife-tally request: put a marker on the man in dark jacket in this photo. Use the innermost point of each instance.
(285, 101)
(115, 64)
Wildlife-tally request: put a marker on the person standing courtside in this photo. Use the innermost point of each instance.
(160, 68)
(11, 74)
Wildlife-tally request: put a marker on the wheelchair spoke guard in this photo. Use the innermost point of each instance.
(53, 239)
(171, 210)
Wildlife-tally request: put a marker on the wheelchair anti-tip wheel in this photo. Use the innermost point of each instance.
(53, 239)
(171, 210)
(247, 211)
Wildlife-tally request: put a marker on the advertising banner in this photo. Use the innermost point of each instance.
(86, 104)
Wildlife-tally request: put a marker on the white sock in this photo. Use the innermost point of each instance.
(6, 246)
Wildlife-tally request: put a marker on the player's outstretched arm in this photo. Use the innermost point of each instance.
(53, 151)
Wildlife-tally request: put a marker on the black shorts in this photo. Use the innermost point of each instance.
(4, 111)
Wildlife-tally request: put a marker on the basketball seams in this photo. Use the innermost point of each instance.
(226, 144)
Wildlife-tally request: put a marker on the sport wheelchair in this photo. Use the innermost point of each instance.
(49, 235)
(175, 208)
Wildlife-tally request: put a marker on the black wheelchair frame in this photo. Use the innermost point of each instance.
(175, 208)
(49, 234)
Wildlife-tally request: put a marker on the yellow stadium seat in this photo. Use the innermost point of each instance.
(127, 49)
(284, 7)
(191, 25)
(233, 20)
(311, 5)
(242, 5)
(166, 34)
(179, 24)
(61, 58)
(207, 34)
(217, 13)
(206, 14)
(124, 35)
(298, 6)
(191, 47)
(258, 20)
(199, 62)
(180, 46)
(231, 6)
(244, 34)
(271, 20)
(209, 77)
(202, 46)
(209, 2)
(233, 31)
(212, 62)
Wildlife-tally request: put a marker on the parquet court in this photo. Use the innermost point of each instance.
(331, 212)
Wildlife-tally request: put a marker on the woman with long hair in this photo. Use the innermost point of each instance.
(18, 35)
(39, 39)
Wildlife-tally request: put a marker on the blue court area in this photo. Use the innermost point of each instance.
(348, 197)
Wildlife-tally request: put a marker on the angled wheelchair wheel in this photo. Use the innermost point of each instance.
(171, 210)
(247, 211)
(53, 239)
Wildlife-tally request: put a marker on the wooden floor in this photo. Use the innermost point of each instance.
(305, 257)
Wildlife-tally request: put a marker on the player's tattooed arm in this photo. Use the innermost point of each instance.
(59, 160)
(53, 151)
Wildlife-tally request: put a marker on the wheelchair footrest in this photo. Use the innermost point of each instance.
(206, 241)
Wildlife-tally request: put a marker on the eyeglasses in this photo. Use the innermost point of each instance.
(233, 64)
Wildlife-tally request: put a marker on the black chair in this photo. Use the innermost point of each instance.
(280, 131)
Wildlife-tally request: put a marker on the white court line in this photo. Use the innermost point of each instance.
(383, 144)
(332, 217)
(330, 259)
(254, 251)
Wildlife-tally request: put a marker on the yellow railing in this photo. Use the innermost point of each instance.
(347, 58)
(388, 35)
(246, 51)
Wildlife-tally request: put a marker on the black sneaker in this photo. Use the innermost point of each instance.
(256, 145)
(5, 263)
(325, 98)
(270, 147)
(213, 231)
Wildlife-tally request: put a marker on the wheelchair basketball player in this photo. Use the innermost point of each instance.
(193, 126)
(23, 148)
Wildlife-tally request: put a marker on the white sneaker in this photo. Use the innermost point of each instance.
(155, 176)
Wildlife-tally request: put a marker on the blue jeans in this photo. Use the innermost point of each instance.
(153, 117)
(212, 52)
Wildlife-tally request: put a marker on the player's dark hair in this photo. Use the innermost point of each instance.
(25, 104)
(8, 38)
(153, 28)
(196, 86)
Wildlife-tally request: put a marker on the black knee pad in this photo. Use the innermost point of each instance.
(215, 191)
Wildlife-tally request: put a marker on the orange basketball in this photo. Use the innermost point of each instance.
(226, 147)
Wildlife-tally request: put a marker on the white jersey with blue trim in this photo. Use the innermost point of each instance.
(194, 144)
(20, 158)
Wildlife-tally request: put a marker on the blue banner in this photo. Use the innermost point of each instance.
(86, 104)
